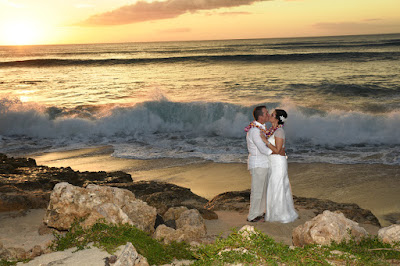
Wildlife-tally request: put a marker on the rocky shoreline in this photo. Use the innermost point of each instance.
(24, 185)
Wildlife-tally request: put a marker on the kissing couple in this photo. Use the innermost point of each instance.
(271, 196)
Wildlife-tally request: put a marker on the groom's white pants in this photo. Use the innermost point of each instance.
(259, 183)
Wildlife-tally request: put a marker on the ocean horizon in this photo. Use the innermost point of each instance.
(192, 99)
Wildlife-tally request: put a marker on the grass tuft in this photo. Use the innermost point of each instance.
(110, 236)
(260, 249)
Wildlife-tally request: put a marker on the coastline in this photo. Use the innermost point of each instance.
(373, 187)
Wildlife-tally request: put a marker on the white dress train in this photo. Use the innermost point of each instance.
(280, 207)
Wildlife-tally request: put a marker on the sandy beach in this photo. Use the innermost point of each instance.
(374, 187)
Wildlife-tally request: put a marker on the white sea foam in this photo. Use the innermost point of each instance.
(212, 131)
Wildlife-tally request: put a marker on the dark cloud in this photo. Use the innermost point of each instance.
(144, 11)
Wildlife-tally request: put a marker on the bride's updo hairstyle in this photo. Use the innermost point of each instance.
(279, 113)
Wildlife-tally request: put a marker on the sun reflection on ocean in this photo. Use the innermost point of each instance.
(24, 95)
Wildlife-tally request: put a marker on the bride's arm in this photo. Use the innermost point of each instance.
(278, 149)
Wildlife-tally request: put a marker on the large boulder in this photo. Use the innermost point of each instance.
(190, 226)
(163, 196)
(68, 203)
(325, 228)
(390, 234)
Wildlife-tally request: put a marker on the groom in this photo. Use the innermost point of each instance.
(258, 165)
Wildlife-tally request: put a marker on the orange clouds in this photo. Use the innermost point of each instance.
(144, 11)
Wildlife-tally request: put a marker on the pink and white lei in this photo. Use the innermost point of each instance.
(267, 132)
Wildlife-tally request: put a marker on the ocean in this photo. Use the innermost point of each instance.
(194, 99)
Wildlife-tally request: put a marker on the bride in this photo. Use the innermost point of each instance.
(280, 207)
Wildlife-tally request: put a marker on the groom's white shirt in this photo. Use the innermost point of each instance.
(258, 151)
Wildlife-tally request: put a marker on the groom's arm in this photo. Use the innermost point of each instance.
(255, 136)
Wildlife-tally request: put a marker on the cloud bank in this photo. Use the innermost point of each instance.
(143, 11)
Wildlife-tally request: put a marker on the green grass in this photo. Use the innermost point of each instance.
(111, 236)
(7, 263)
(257, 249)
(261, 249)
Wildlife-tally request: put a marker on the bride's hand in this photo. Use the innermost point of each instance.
(263, 138)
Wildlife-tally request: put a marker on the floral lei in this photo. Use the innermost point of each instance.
(267, 132)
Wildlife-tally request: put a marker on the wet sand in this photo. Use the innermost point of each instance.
(373, 187)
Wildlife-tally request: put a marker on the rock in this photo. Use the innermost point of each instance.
(189, 226)
(390, 234)
(110, 260)
(36, 251)
(206, 214)
(174, 213)
(393, 218)
(247, 230)
(350, 210)
(190, 218)
(22, 200)
(170, 223)
(166, 234)
(230, 201)
(325, 228)
(68, 203)
(129, 256)
(24, 185)
(159, 221)
(163, 196)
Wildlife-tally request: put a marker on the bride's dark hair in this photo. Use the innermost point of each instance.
(279, 113)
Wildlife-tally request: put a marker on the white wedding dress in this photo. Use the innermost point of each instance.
(280, 207)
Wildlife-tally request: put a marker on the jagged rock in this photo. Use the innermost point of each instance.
(325, 228)
(240, 201)
(230, 201)
(163, 196)
(24, 185)
(190, 218)
(390, 234)
(170, 223)
(393, 218)
(350, 210)
(247, 231)
(68, 202)
(129, 257)
(10, 165)
(159, 221)
(20, 200)
(189, 226)
(174, 213)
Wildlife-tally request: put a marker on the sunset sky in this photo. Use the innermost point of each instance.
(105, 21)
